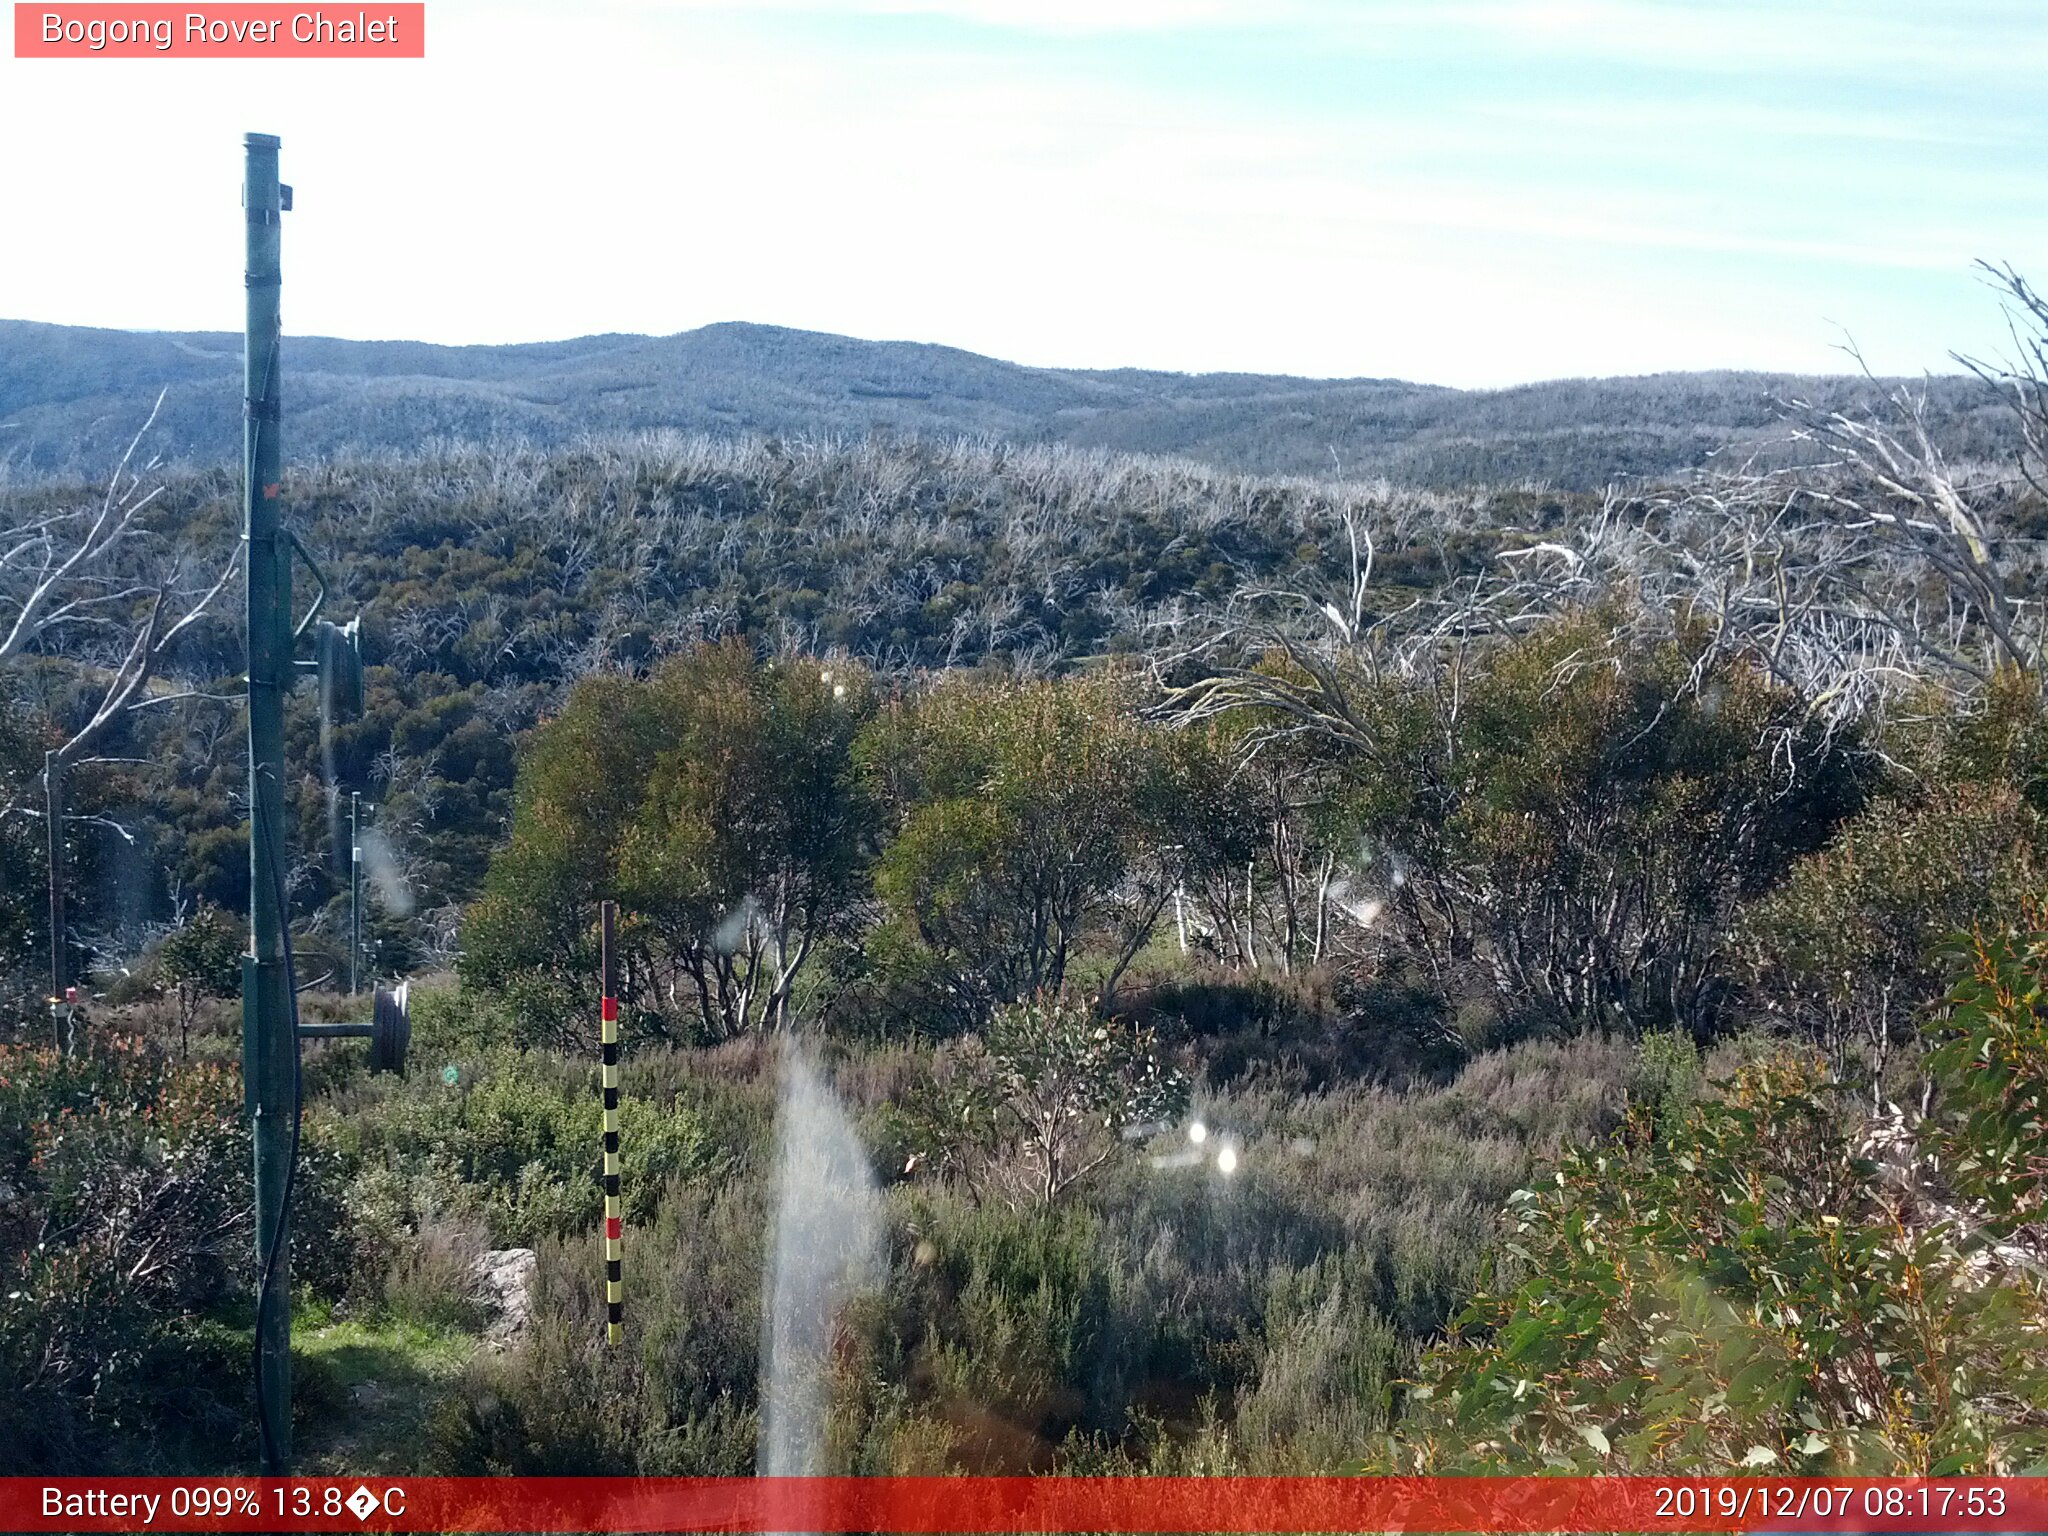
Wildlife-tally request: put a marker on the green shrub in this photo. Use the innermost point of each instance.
(1158, 1317)
(1007, 1323)
(23, 865)
(432, 1279)
(1667, 1074)
(1026, 821)
(1055, 1092)
(513, 1144)
(452, 1022)
(716, 799)
(1989, 1062)
(1581, 819)
(1317, 1027)
(201, 960)
(677, 1398)
(1747, 1289)
(1845, 951)
(1326, 1375)
(124, 1218)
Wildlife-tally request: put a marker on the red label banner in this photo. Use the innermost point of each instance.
(930, 1505)
(234, 31)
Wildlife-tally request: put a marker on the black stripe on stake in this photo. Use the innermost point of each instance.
(608, 981)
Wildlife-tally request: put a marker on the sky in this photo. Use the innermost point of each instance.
(1468, 192)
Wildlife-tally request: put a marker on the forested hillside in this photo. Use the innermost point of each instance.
(1316, 973)
(490, 582)
(69, 398)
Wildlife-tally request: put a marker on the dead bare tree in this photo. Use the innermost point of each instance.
(1875, 563)
(1298, 658)
(1913, 518)
(90, 570)
(59, 568)
(1859, 565)
(2022, 377)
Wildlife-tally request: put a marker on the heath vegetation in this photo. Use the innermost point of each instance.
(1326, 974)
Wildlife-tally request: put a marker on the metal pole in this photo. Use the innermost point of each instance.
(355, 888)
(269, 1046)
(53, 814)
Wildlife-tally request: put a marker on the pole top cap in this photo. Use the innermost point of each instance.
(260, 141)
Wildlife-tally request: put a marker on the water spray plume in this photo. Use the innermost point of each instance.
(732, 932)
(825, 1249)
(381, 865)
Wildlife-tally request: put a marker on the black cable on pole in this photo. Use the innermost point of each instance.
(274, 1246)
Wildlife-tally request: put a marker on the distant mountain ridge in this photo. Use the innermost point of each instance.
(71, 396)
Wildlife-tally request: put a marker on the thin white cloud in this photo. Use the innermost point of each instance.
(1495, 213)
(1813, 37)
(647, 167)
(1058, 17)
(1640, 115)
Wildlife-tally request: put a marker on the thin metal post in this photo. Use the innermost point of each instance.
(53, 815)
(355, 888)
(269, 1045)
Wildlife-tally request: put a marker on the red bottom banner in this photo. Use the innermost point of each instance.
(929, 1506)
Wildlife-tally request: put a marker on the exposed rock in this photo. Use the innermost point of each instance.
(504, 1282)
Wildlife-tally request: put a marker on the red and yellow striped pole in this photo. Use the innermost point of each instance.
(614, 1282)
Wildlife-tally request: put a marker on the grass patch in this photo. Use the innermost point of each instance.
(367, 1389)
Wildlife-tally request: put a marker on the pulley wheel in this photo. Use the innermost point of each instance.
(391, 1028)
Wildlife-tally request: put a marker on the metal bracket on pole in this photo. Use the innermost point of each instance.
(389, 1030)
